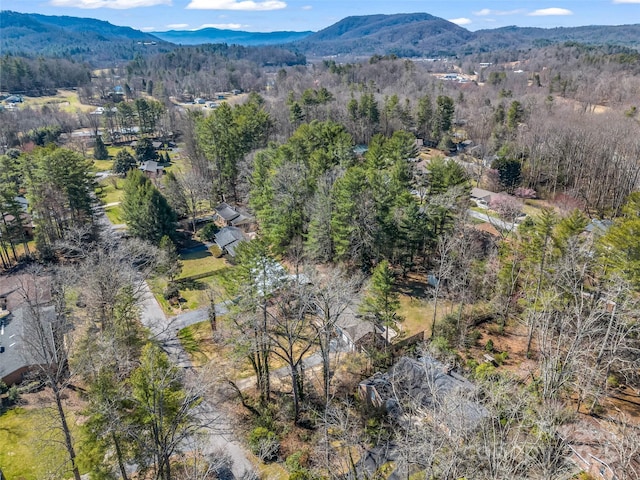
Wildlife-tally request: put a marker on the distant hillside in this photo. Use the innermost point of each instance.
(231, 37)
(411, 34)
(523, 37)
(421, 34)
(84, 39)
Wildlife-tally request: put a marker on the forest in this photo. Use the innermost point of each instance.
(499, 338)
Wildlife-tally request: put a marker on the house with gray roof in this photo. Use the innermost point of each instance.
(417, 389)
(228, 239)
(16, 358)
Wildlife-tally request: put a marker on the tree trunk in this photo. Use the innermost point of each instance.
(116, 444)
(67, 433)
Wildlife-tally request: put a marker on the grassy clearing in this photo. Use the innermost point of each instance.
(107, 193)
(66, 100)
(196, 263)
(101, 165)
(418, 314)
(114, 214)
(28, 449)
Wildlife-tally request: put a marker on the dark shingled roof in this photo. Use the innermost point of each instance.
(229, 238)
(226, 212)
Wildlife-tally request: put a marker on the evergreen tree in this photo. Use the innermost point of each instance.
(382, 301)
(169, 263)
(145, 150)
(147, 213)
(100, 151)
(123, 163)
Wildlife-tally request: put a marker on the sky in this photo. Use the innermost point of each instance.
(301, 15)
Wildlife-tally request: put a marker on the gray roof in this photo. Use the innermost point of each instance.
(354, 325)
(151, 166)
(241, 220)
(598, 226)
(13, 331)
(482, 194)
(229, 238)
(428, 386)
(226, 212)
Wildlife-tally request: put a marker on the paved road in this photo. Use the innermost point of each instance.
(163, 329)
(496, 222)
(195, 316)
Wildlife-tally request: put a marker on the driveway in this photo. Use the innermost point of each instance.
(496, 222)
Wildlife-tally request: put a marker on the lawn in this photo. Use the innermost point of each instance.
(66, 100)
(107, 193)
(418, 314)
(102, 165)
(196, 263)
(114, 214)
(28, 448)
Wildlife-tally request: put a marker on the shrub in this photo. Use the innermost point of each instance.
(216, 251)
(264, 444)
(208, 232)
(501, 357)
(484, 371)
(489, 346)
(172, 291)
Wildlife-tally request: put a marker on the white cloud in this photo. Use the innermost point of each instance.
(177, 26)
(626, 1)
(307, 7)
(486, 11)
(460, 21)
(221, 26)
(148, 29)
(117, 4)
(247, 5)
(554, 11)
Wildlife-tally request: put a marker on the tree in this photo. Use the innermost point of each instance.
(163, 411)
(443, 117)
(46, 343)
(123, 162)
(169, 263)
(100, 151)
(147, 213)
(145, 150)
(381, 300)
(510, 172)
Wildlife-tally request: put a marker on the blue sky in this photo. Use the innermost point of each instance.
(298, 15)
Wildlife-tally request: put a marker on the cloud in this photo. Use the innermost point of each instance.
(625, 1)
(554, 11)
(460, 21)
(247, 5)
(117, 4)
(221, 26)
(307, 7)
(177, 26)
(486, 11)
(148, 29)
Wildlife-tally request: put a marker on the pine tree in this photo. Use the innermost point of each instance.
(100, 151)
(382, 301)
(123, 163)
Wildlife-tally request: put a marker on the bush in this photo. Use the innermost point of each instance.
(484, 371)
(208, 232)
(501, 357)
(264, 444)
(216, 251)
(172, 291)
(489, 346)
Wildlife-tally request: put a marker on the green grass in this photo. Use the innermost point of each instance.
(200, 262)
(66, 100)
(107, 193)
(101, 165)
(114, 214)
(28, 448)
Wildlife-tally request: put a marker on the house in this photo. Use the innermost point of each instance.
(598, 227)
(15, 314)
(15, 358)
(199, 101)
(228, 239)
(13, 99)
(425, 389)
(228, 216)
(151, 169)
(355, 332)
(482, 197)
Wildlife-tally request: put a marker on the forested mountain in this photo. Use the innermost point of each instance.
(403, 34)
(234, 37)
(84, 39)
(421, 34)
